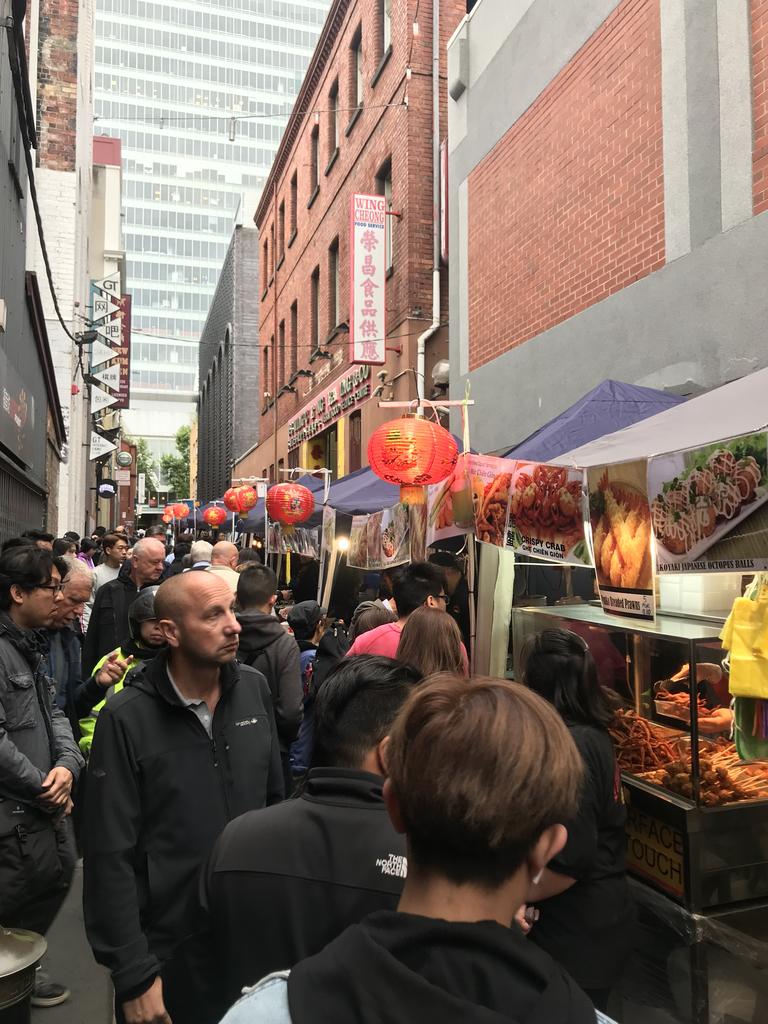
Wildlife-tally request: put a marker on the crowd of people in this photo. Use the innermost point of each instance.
(333, 817)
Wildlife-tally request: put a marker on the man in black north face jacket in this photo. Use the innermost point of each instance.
(188, 745)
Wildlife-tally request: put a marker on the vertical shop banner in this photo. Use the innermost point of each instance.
(490, 480)
(328, 534)
(709, 507)
(123, 352)
(367, 279)
(620, 522)
(546, 513)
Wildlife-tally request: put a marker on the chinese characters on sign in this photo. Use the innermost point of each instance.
(367, 316)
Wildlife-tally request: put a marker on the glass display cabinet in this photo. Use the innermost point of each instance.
(697, 815)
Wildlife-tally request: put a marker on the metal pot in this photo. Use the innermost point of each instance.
(20, 953)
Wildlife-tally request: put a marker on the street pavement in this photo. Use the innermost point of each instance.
(70, 961)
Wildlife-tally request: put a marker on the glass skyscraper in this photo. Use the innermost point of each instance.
(199, 92)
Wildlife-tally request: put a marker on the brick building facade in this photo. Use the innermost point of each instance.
(228, 410)
(362, 124)
(60, 48)
(609, 175)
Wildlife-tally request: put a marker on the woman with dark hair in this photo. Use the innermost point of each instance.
(64, 546)
(585, 909)
(88, 549)
(431, 642)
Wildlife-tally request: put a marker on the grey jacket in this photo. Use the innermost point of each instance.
(35, 735)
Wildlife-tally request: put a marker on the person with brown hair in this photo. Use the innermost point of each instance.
(367, 616)
(431, 642)
(481, 775)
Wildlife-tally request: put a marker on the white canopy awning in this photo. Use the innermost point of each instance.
(740, 407)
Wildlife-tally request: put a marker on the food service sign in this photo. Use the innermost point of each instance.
(367, 276)
(349, 391)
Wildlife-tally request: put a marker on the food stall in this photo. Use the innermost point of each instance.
(676, 525)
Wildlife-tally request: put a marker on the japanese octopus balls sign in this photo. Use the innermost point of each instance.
(708, 507)
(620, 520)
(367, 279)
(546, 513)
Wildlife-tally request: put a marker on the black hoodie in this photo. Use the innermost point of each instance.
(396, 967)
(267, 646)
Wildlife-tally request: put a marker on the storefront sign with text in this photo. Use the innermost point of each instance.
(350, 391)
(367, 277)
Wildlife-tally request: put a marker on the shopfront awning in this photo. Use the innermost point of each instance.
(609, 407)
(362, 492)
(728, 411)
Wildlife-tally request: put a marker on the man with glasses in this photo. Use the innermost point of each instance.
(39, 759)
(420, 583)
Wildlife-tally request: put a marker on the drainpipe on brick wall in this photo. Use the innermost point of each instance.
(276, 342)
(421, 344)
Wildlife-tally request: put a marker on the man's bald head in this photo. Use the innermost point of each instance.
(195, 612)
(224, 553)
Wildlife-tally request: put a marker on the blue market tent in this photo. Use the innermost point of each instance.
(609, 407)
(362, 492)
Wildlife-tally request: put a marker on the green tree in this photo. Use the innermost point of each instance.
(145, 462)
(176, 467)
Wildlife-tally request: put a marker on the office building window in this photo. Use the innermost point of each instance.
(315, 309)
(294, 338)
(385, 21)
(356, 70)
(314, 162)
(281, 354)
(333, 118)
(294, 202)
(384, 188)
(333, 284)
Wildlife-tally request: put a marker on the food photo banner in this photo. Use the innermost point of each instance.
(450, 505)
(620, 524)
(546, 513)
(709, 507)
(381, 540)
(299, 541)
(489, 480)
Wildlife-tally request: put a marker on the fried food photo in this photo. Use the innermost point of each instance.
(621, 529)
(491, 518)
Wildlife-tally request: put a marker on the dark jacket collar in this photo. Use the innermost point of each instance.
(152, 678)
(343, 786)
(30, 643)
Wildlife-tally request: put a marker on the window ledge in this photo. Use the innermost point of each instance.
(264, 294)
(313, 197)
(291, 240)
(271, 279)
(382, 64)
(281, 261)
(390, 272)
(332, 161)
(353, 120)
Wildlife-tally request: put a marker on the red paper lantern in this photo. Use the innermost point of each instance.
(290, 504)
(412, 451)
(180, 510)
(231, 500)
(247, 497)
(167, 518)
(215, 515)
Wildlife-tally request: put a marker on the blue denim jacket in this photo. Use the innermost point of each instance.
(266, 1002)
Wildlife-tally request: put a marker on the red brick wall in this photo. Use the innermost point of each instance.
(569, 206)
(57, 84)
(760, 103)
(380, 134)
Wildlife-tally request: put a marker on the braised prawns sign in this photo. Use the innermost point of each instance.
(546, 513)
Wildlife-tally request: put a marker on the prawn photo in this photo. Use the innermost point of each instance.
(621, 531)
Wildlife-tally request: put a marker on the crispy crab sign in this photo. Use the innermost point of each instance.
(367, 275)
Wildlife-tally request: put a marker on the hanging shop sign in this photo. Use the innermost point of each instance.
(490, 479)
(100, 446)
(299, 541)
(709, 507)
(368, 234)
(112, 322)
(546, 513)
(349, 392)
(620, 524)
(384, 539)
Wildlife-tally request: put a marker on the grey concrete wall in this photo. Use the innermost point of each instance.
(698, 322)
